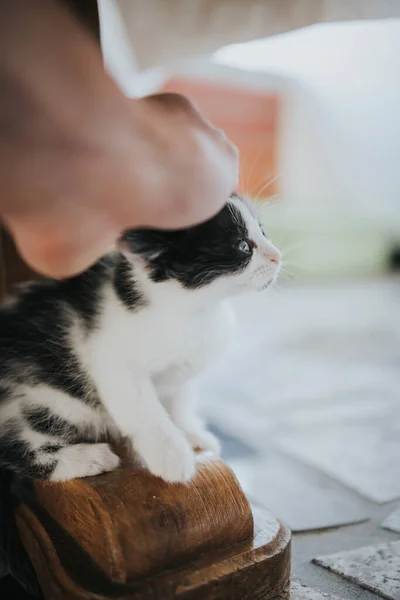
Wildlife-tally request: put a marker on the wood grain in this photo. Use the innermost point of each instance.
(128, 535)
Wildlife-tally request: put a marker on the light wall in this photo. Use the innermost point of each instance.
(339, 142)
(341, 133)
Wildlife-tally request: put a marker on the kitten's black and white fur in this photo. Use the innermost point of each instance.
(114, 351)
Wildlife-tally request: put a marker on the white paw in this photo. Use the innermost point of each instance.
(204, 440)
(169, 457)
(84, 460)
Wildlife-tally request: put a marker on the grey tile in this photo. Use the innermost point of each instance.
(316, 381)
(252, 407)
(300, 591)
(375, 568)
(359, 403)
(301, 496)
(366, 457)
(392, 522)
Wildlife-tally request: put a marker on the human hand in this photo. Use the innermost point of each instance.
(79, 162)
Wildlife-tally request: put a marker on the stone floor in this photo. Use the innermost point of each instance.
(307, 404)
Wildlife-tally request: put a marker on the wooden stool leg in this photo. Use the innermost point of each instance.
(129, 536)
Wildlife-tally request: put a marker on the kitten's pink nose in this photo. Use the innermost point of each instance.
(274, 256)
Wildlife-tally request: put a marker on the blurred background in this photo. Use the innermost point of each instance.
(307, 402)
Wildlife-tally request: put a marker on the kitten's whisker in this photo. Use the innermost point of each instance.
(288, 275)
(292, 247)
(267, 203)
(266, 186)
(300, 267)
(255, 161)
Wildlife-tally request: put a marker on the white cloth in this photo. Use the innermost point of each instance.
(162, 31)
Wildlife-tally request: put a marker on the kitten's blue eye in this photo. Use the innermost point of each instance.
(243, 246)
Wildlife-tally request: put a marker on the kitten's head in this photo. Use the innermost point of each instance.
(230, 252)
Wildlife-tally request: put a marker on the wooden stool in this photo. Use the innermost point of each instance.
(127, 535)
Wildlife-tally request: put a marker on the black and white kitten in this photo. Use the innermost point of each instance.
(114, 351)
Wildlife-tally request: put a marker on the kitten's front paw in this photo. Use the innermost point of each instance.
(170, 458)
(83, 460)
(204, 440)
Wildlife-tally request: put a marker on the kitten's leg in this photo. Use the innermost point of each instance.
(62, 435)
(35, 456)
(136, 410)
(180, 403)
(83, 460)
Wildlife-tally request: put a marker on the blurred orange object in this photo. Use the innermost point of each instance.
(249, 118)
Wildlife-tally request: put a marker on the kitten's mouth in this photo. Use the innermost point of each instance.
(263, 278)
